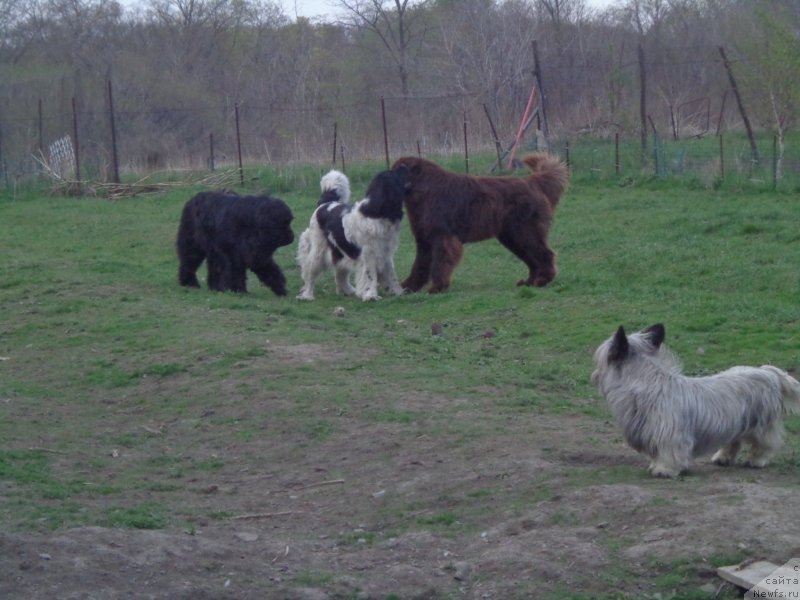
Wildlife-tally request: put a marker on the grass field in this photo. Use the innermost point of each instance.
(129, 403)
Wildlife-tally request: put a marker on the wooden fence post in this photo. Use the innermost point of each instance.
(643, 105)
(75, 141)
(335, 133)
(211, 151)
(385, 134)
(239, 144)
(466, 146)
(114, 157)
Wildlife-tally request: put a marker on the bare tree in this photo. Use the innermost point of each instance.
(396, 23)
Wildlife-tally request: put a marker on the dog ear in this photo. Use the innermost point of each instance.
(655, 335)
(619, 346)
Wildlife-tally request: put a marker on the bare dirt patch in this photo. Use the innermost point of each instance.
(408, 504)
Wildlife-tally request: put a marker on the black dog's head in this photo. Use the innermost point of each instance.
(281, 220)
(385, 194)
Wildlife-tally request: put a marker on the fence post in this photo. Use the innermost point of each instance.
(75, 141)
(114, 157)
(643, 105)
(335, 135)
(466, 146)
(774, 163)
(211, 151)
(40, 124)
(494, 135)
(239, 144)
(385, 134)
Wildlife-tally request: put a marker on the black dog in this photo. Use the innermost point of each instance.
(233, 233)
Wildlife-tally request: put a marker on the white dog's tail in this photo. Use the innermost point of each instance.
(790, 391)
(335, 187)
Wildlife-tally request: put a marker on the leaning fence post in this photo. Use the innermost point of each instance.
(494, 135)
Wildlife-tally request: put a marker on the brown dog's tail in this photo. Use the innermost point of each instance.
(549, 173)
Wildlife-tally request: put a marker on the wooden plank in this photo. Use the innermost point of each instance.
(747, 575)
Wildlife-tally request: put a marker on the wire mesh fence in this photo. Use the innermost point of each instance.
(132, 143)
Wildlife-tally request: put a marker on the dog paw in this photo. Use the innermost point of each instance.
(371, 298)
(756, 464)
(662, 472)
(306, 297)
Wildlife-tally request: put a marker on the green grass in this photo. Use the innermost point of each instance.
(124, 396)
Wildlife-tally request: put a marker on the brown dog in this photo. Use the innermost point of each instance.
(447, 210)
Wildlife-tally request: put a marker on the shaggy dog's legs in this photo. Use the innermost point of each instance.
(187, 271)
(226, 271)
(764, 446)
(388, 278)
(447, 253)
(235, 274)
(532, 250)
(421, 269)
(367, 279)
(342, 275)
(190, 257)
(312, 260)
(727, 455)
(672, 460)
(668, 466)
(217, 270)
(270, 275)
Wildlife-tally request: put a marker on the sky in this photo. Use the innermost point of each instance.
(322, 8)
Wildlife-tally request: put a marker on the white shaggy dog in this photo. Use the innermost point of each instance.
(672, 418)
(360, 238)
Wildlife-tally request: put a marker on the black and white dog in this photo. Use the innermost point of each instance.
(360, 238)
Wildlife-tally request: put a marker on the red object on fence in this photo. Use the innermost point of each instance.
(522, 125)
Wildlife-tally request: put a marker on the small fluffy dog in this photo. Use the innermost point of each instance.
(672, 418)
(232, 234)
(447, 210)
(360, 238)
